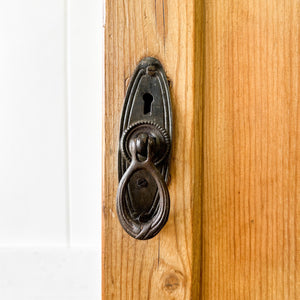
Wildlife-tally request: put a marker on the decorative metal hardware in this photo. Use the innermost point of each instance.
(143, 201)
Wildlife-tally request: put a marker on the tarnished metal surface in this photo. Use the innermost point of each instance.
(145, 141)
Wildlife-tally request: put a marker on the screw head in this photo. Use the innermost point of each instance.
(141, 183)
(151, 70)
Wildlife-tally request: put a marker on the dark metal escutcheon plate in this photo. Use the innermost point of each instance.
(146, 131)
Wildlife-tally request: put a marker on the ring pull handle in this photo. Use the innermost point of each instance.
(138, 228)
(145, 141)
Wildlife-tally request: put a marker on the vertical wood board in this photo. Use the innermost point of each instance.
(251, 150)
(167, 266)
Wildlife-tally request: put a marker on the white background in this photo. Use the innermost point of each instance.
(51, 91)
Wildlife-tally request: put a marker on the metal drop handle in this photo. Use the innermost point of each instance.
(137, 228)
(143, 201)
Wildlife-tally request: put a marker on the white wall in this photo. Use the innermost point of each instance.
(51, 73)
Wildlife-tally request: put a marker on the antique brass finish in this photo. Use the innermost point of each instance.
(143, 202)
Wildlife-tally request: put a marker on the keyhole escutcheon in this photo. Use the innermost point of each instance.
(148, 99)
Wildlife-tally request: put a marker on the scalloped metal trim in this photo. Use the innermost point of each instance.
(163, 132)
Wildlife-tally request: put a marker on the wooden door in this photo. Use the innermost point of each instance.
(233, 230)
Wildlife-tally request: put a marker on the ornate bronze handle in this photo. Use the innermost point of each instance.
(139, 228)
(143, 201)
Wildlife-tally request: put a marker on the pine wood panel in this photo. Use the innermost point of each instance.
(249, 214)
(251, 184)
(167, 266)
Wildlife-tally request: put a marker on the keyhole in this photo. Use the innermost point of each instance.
(148, 98)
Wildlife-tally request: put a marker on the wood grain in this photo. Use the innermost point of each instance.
(251, 166)
(236, 147)
(167, 266)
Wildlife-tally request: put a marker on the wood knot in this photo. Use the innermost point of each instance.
(172, 281)
(167, 281)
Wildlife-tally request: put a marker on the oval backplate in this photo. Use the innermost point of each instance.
(147, 100)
